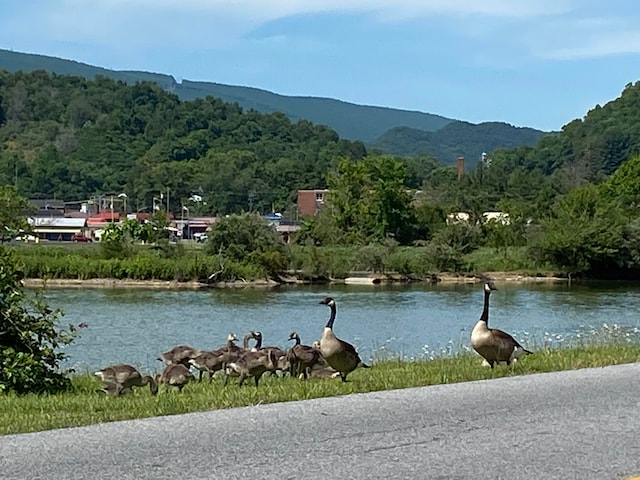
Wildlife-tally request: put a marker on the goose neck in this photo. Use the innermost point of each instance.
(332, 316)
(485, 310)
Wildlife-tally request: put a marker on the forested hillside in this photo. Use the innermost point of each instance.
(585, 151)
(69, 138)
(456, 139)
(351, 121)
(571, 198)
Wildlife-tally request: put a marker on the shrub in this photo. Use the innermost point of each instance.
(29, 337)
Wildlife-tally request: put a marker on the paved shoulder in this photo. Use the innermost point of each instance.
(579, 424)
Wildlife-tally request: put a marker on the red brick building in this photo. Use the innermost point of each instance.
(311, 201)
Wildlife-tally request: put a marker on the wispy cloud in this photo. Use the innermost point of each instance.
(587, 38)
(210, 23)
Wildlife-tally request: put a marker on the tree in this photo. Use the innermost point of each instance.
(248, 238)
(29, 337)
(14, 210)
(583, 234)
(369, 201)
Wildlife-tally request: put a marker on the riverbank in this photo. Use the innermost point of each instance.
(445, 277)
(85, 405)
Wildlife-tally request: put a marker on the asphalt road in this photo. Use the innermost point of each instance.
(580, 424)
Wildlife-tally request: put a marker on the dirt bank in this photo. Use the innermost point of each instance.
(498, 277)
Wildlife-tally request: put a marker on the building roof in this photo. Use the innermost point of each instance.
(57, 222)
(48, 204)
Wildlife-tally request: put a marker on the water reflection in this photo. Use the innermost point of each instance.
(134, 326)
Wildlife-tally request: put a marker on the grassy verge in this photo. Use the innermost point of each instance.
(83, 406)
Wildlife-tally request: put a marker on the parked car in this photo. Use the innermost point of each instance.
(79, 237)
(26, 237)
(200, 237)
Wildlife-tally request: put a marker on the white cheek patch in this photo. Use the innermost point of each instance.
(331, 303)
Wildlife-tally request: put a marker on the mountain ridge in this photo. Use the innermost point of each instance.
(351, 121)
(389, 130)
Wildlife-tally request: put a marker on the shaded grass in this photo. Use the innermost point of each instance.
(84, 406)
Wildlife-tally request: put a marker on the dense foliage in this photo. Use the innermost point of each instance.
(70, 138)
(351, 121)
(455, 139)
(249, 238)
(570, 199)
(13, 213)
(30, 338)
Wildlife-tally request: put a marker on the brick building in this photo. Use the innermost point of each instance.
(311, 201)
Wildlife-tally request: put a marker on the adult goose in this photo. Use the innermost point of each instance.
(121, 378)
(494, 345)
(340, 355)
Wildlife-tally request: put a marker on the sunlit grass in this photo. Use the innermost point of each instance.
(608, 345)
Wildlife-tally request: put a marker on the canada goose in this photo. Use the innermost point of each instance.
(494, 345)
(209, 362)
(340, 355)
(278, 353)
(180, 354)
(175, 375)
(120, 379)
(251, 364)
(215, 360)
(302, 358)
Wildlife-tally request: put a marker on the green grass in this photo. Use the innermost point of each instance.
(84, 406)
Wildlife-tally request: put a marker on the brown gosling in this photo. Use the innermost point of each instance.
(209, 362)
(494, 345)
(175, 375)
(251, 364)
(121, 378)
(179, 355)
(212, 361)
(340, 355)
(278, 353)
(302, 358)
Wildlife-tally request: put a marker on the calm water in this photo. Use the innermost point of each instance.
(134, 326)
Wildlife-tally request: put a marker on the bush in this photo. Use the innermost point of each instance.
(248, 238)
(29, 337)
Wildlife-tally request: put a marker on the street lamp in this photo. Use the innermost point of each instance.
(184, 207)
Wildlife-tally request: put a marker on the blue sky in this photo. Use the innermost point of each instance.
(535, 63)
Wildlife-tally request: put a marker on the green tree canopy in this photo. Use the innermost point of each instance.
(14, 210)
(30, 337)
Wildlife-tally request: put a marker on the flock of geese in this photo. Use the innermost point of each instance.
(330, 357)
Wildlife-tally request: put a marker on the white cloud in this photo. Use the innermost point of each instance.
(587, 38)
(548, 29)
(212, 23)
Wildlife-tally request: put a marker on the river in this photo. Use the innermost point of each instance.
(414, 321)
